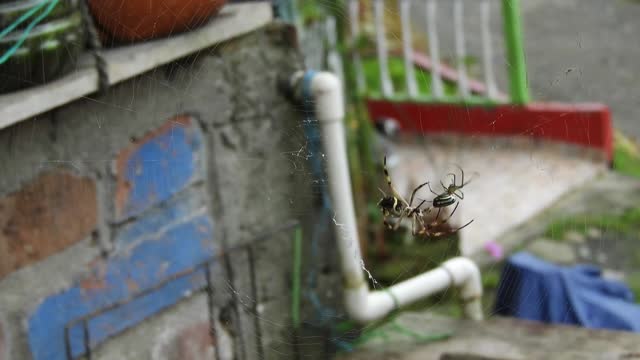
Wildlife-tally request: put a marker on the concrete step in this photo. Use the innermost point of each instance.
(512, 179)
(495, 339)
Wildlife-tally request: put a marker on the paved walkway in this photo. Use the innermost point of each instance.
(511, 180)
(577, 50)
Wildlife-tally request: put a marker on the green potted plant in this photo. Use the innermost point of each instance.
(40, 40)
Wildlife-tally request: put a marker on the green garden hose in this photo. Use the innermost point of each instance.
(28, 29)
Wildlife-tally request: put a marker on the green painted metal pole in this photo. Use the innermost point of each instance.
(515, 51)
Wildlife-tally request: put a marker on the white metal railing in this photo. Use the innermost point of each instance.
(464, 87)
(446, 27)
(407, 49)
(354, 26)
(434, 49)
(485, 23)
(381, 47)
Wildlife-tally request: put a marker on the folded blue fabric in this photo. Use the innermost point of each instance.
(533, 289)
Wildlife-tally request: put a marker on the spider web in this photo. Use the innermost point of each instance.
(514, 179)
(508, 177)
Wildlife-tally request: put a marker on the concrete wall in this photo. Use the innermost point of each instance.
(126, 192)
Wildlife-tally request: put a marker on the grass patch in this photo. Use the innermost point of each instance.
(408, 260)
(626, 160)
(627, 224)
(398, 78)
(626, 155)
(491, 277)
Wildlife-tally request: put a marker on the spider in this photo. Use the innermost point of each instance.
(397, 207)
(447, 198)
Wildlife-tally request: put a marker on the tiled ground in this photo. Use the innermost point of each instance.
(512, 179)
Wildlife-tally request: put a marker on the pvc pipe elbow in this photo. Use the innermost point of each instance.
(364, 306)
(466, 275)
(327, 92)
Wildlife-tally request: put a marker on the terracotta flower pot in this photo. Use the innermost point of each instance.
(135, 20)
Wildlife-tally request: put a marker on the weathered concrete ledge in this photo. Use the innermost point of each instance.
(128, 61)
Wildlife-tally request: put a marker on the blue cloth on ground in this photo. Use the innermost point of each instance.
(533, 289)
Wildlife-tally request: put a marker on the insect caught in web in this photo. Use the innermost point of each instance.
(395, 206)
(436, 228)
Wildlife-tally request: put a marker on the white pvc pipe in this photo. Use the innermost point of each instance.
(361, 304)
(434, 49)
(381, 46)
(407, 48)
(458, 24)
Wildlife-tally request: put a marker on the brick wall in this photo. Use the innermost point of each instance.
(126, 194)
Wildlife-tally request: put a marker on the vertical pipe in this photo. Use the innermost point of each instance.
(285, 10)
(342, 199)
(407, 48)
(86, 338)
(434, 50)
(295, 286)
(213, 333)
(485, 23)
(354, 22)
(330, 112)
(288, 11)
(254, 294)
(381, 45)
(458, 24)
(240, 347)
(67, 343)
(515, 52)
(297, 19)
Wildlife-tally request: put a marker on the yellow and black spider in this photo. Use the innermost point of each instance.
(447, 197)
(396, 207)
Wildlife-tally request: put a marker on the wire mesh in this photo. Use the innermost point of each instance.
(207, 288)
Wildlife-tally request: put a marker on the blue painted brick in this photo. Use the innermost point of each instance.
(174, 211)
(158, 166)
(173, 251)
(171, 235)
